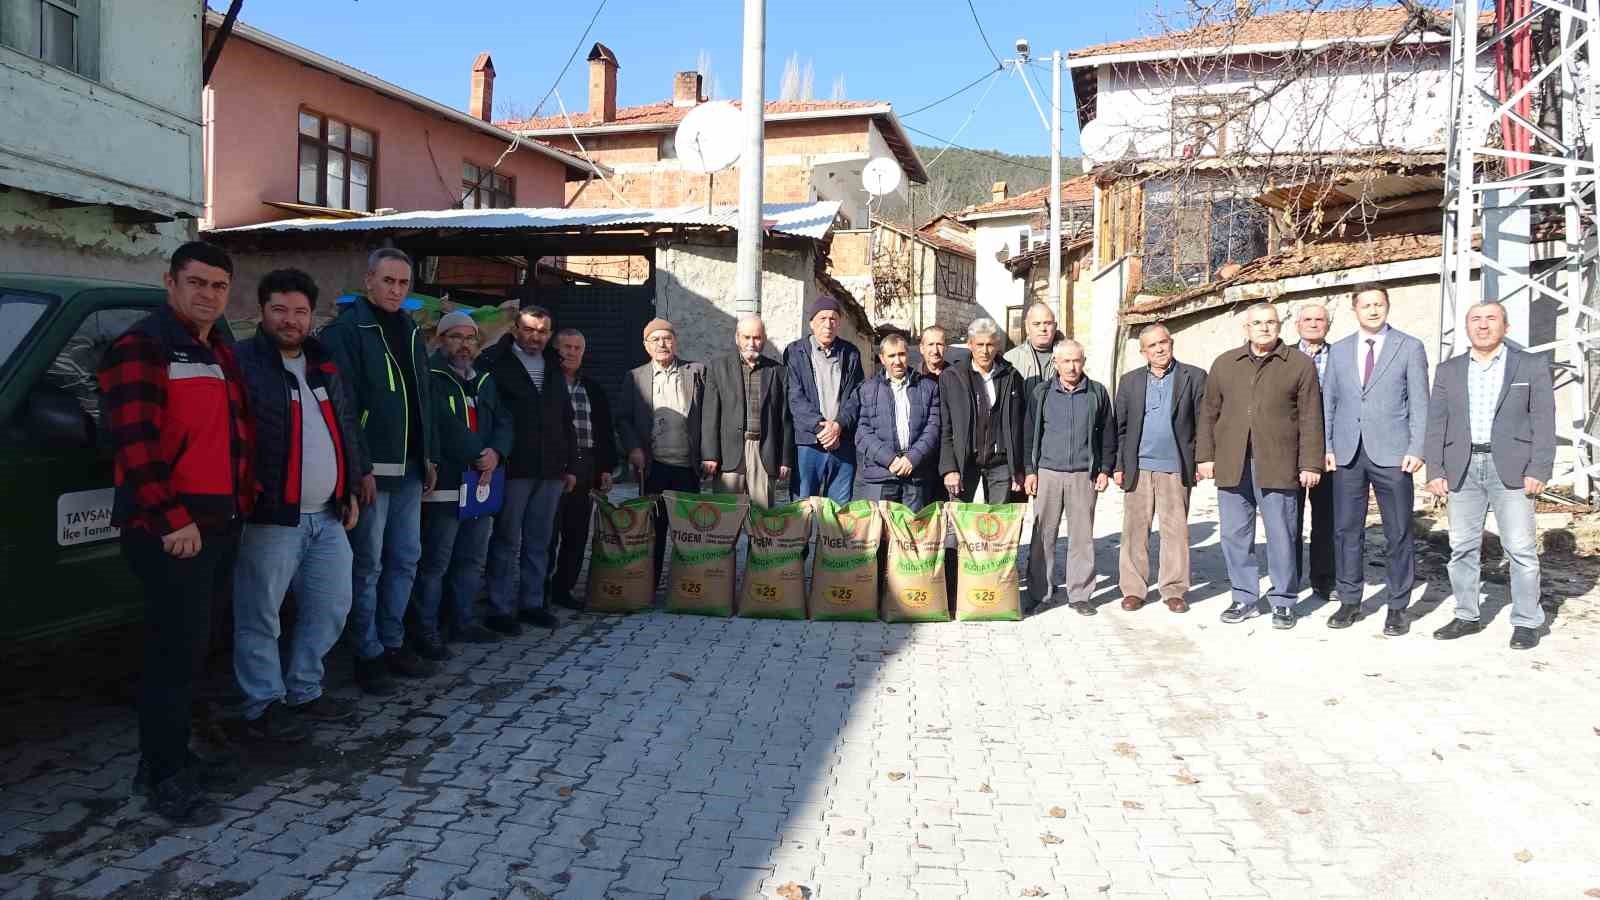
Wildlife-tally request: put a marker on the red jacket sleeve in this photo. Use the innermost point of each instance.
(133, 382)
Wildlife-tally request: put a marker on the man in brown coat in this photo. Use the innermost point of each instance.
(1260, 436)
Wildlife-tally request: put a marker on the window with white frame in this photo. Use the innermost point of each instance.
(62, 33)
(338, 163)
(1206, 124)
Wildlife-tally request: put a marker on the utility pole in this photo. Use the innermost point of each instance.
(747, 280)
(1055, 186)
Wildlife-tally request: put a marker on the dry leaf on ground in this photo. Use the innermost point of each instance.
(1048, 838)
(1057, 812)
(1184, 776)
(1132, 804)
(564, 791)
(1592, 892)
(1035, 891)
(896, 776)
(1302, 811)
(1523, 856)
(792, 891)
(1123, 748)
(985, 789)
(680, 676)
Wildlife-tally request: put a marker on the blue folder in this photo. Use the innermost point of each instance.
(481, 500)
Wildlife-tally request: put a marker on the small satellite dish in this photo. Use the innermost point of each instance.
(881, 176)
(1096, 141)
(708, 138)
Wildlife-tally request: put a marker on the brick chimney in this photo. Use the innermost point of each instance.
(603, 83)
(998, 191)
(482, 104)
(687, 89)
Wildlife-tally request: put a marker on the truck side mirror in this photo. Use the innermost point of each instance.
(56, 421)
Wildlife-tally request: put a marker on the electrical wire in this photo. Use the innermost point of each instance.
(983, 34)
(993, 77)
(985, 155)
(585, 154)
(953, 94)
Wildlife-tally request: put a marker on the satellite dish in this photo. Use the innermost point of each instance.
(1096, 141)
(708, 138)
(881, 176)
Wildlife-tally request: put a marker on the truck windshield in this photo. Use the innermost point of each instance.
(19, 313)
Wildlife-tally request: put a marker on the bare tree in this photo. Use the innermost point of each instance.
(708, 81)
(838, 88)
(789, 87)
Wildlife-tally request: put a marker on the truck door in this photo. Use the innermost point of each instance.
(59, 556)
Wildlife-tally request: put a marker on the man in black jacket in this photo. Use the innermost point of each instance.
(982, 417)
(746, 435)
(1156, 408)
(594, 458)
(540, 471)
(309, 459)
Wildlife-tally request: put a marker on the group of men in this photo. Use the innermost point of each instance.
(343, 466)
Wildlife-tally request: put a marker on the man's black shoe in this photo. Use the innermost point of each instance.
(433, 649)
(406, 664)
(477, 634)
(1524, 638)
(1282, 618)
(372, 675)
(324, 709)
(276, 724)
(1240, 611)
(218, 773)
(1457, 628)
(1345, 616)
(180, 801)
(503, 625)
(565, 600)
(540, 617)
(1395, 623)
(1084, 608)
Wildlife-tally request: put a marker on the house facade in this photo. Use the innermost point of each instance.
(814, 150)
(910, 280)
(291, 133)
(100, 136)
(1009, 226)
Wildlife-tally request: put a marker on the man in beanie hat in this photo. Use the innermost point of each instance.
(824, 387)
(659, 422)
(475, 436)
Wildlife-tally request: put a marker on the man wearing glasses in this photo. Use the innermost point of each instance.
(1260, 436)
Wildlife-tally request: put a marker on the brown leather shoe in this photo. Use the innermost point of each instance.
(1132, 603)
(1177, 604)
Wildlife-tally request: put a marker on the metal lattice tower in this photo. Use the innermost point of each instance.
(1520, 192)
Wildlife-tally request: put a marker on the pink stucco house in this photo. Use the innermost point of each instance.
(292, 133)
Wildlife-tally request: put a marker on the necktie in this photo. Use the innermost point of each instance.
(1366, 371)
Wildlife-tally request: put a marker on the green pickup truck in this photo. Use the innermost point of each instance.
(59, 561)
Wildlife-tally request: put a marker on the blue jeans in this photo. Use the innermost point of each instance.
(314, 559)
(912, 492)
(522, 545)
(1236, 518)
(387, 542)
(1481, 491)
(453, 554)
(824, 474)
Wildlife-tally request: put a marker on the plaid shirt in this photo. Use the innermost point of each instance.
(165, 437)
(581, 417)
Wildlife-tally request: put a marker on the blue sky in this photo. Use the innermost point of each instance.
(909, 52)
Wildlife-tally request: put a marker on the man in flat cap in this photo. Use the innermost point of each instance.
(659, 422)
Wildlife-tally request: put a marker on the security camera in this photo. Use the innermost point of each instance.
(1022, 47)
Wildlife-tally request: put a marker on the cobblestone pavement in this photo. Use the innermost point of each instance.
(1123, 755)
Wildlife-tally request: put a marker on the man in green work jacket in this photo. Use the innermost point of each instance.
(379, 348)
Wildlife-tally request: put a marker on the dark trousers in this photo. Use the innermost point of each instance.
(1319, 576)
(906, 491)
(178, 594)
(996, 478)
(662, 477)
(571, 537)
(1396, 492)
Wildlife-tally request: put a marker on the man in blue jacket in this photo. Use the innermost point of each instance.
(824, 387)
(376, 344)
(474, 438)
(897, 439)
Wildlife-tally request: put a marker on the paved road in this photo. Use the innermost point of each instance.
(1123, 755)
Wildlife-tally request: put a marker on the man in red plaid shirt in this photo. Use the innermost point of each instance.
(175, 412)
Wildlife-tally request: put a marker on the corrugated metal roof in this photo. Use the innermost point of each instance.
(808, 220)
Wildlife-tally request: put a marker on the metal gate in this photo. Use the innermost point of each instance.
(612, 318)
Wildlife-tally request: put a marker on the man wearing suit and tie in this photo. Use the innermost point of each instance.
(1156, 408)
(1491, 444)
(1375, 402)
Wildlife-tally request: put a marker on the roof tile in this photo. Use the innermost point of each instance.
(1075, 190)
(1294, 26)
(665, 113)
